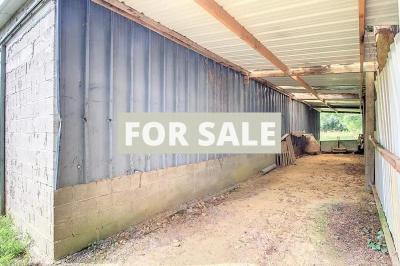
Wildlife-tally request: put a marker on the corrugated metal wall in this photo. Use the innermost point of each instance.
(387, 179)
(115, 65)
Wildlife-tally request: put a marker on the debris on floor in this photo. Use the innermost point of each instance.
(312, 213)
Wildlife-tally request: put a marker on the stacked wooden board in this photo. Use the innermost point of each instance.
(287, 155)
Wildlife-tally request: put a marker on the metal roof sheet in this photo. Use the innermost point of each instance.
(300, 33)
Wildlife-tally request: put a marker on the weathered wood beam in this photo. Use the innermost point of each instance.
(325, 90)
(361, 35)
(391, 158)
(361, 31)
(219, 13)
(315, 70)
(234, 26)
(351, 111)
(330, 97)
(342, 111)
(369, 112)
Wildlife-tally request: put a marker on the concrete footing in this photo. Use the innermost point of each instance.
(86, 213)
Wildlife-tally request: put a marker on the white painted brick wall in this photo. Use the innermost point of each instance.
(31, 128)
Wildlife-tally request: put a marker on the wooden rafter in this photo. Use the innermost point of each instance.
(234, 26)
(322, 92)
(316, 70)
(361, 31)
(331, 97)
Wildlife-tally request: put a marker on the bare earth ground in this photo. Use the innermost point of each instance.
(313, 213)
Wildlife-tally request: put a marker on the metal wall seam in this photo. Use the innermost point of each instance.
(131, 76)
(387, 180)
(148, 92)
(86, 95)
(111, 96)
(57, 90)
(164, 159)
(2, 126)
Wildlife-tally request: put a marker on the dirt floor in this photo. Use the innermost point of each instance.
(313, 213)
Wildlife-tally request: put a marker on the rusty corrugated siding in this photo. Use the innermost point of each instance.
(116, 65)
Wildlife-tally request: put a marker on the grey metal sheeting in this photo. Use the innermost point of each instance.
(109, 64)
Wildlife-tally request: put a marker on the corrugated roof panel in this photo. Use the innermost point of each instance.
(382, 12)
(8, 9)
(181, 15)
(298, 25)
(300, 33)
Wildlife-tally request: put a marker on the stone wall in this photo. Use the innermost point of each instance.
(30, 148)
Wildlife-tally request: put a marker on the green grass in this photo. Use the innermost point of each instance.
(11, 247)
(343, 135)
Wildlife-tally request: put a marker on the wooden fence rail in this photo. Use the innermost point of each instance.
(392, 159)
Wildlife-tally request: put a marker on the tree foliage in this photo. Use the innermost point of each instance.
(341, 122)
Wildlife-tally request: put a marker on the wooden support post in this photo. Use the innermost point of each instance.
(369, 150)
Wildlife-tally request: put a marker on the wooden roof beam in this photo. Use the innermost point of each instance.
(218, 12)
(316, 70)
(361, 32)
(323, 92)
(331, 97)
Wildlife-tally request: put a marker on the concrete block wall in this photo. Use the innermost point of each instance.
(30, 125)
(86, 213)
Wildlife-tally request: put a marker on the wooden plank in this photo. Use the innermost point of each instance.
(394, 256)
(234, 26)
(350, 90)
(361, 32)
(369, 153)
(219, 13)
(343, 112)
(391, 158)
(316, 70)
(311, 90)
(331, 97)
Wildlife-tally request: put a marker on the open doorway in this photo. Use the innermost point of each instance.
(340, 132)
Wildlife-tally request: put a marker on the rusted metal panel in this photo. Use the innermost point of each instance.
(116, 65)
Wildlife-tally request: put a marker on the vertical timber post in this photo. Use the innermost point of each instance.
(2, 128)
(369, 153)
